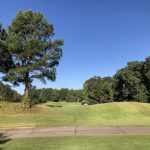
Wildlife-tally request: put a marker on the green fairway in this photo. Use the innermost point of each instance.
(73, 114)
(79, 143)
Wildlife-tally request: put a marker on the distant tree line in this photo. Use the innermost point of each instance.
(49, 94)
(41, 95)
(131, 83)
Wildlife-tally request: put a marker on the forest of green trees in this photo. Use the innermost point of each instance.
(131, 83)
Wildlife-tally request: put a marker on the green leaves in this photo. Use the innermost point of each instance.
(27, 50)
(7, 94)
(129, 83)
(31, 48)
(98, 90)
(5, 57)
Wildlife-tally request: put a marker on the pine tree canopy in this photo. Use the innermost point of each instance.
(33, 53)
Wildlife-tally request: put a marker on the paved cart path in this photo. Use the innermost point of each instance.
(73, 131)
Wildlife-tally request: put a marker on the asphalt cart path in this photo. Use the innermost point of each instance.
(73, 131)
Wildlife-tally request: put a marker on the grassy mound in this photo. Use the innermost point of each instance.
(73, 114)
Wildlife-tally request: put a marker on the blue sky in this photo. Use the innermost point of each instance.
(100, 36)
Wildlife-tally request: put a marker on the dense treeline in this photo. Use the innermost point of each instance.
(131, 83)
(49, 94)
(41, 95)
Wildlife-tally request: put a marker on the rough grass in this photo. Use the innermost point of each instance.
(79, 143)
(73, 114)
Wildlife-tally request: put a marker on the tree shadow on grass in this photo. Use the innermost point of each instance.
(54, 106)
(3, 139)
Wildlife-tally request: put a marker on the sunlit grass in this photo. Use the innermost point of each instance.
(73, 114)
(79, 143)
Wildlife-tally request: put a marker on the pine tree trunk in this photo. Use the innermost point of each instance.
(26, 91)
(26, 99)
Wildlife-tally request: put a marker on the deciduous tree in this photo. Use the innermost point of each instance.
(98, 90)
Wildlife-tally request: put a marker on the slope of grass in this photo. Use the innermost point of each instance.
(80, 143)
(73, 114)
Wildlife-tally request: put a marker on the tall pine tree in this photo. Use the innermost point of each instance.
(34, 55)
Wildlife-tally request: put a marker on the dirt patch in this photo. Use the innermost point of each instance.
(13, 108)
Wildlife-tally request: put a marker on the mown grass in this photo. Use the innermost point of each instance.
(79, 143)
(73, 114)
